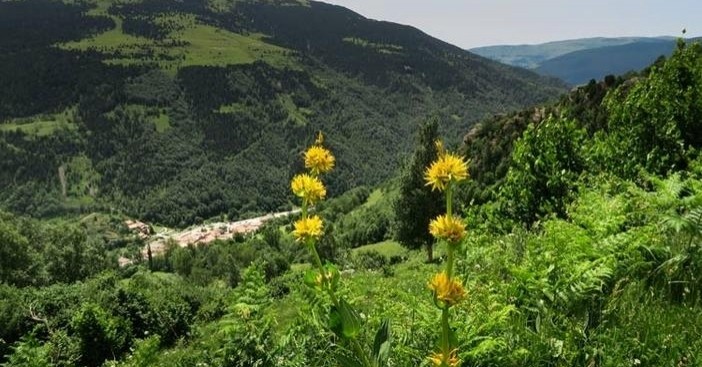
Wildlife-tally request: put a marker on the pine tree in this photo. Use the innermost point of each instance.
(417, 204)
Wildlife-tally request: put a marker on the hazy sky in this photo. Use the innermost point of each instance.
(472, 23)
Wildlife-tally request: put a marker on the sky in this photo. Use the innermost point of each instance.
(473, 23)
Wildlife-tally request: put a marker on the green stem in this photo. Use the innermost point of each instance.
(692, 235)
(445, 331)
(449, 213)
(449, 200)
(318, 263)
(359, 351)
(445, 342)
(354, 343)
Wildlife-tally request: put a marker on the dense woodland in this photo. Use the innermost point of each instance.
(584, 214)
(581, 256)
(138, 134)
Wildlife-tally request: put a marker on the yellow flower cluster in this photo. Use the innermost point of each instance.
(450, 229)
(308, 228)
(438, 359)
(446, 169)
(448, 291)
(308, 187)
(319, 160)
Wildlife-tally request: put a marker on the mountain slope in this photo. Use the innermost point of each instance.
(580, 66)
(578, 61)
(179, 111)
(531, 56)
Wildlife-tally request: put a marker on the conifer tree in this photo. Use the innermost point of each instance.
(417, 204)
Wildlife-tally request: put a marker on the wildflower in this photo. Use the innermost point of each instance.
(450, 229)
(308, 187)
(446, 169)
(438, 359)
(318, 160)
(448, 291)
(308, 228)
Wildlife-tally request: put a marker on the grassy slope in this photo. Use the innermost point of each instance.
(201, 45)
(388, 248)
(41, 125)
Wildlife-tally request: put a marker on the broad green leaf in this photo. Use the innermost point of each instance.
(350, 321)
(382, 343)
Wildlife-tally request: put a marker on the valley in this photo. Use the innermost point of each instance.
(290, 183)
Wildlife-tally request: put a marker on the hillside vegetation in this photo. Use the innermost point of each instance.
(584, 226)
(167, 110)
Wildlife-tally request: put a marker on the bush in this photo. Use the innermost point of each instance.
(370, 260)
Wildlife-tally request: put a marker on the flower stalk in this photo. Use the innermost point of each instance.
(309, 229)
(442, 175)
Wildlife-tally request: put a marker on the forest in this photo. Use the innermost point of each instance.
(563, 235)
(128, 106)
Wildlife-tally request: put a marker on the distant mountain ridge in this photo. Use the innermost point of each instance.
(581, 66)
(580, 60)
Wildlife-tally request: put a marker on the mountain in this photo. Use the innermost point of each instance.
(578, 61)
(178, 111)
(531, 56)
(581, 66)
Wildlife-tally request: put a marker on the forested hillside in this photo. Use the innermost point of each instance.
(566, 235)
(168, 110)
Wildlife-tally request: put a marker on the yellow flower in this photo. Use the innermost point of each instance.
(307, 228)
(448, 291)
(450, 229)
(318, 160)
(446, 169)
(308, 187)
(438, 359)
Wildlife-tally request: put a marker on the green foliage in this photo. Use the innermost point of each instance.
(70, 255)
(417, 203)
(101, 336)
(29, 353)
(38, 253)
(369, 223)
(222, 260)
(142, 101)
(13, 324)
(370, 260)
(14, 256)
(607, 274)
(546, 163)
(653, 123)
